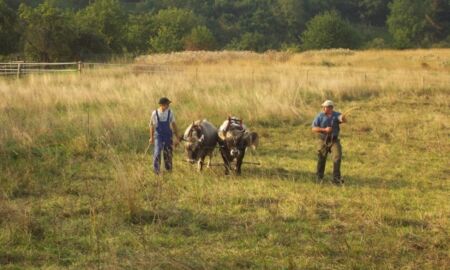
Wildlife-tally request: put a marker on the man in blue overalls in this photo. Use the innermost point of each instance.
(326, 124)
(162, 127)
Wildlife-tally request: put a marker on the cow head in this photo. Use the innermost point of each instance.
(193, 140)
(237, 140)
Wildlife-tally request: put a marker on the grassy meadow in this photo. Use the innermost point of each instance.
(78, 192)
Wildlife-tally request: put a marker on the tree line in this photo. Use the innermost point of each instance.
(57, 30)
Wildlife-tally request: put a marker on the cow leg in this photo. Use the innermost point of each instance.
(200, 164)
(226, 160)
(239, 161)
(208, 165)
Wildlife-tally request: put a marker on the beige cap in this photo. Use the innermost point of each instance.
(327, 103)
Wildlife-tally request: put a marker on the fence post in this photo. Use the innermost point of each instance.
(80, 65)
(18, 70)
(253, 78)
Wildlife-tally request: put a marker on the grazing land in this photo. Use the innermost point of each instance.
(77, 191)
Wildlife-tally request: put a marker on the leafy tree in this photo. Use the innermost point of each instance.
(172, 26)
(373, 12)
(438, 20)
(102, 27)
(329, 30)
(8, 35)
(406, 22)
(48, 32)
(200, 38)
(139, 30)
(292, 14)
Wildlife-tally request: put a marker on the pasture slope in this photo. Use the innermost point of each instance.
(77, 192)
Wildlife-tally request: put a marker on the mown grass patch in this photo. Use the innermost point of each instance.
(77, 191)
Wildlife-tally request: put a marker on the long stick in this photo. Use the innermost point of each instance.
(146, 150)
(347, 112)
(244, 162)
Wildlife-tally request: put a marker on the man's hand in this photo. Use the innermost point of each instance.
(176, 141)
(328, 129)
(151, 140)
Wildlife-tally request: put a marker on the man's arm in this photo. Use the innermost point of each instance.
(317, 129)
(152, 129)
(175, 129)
(175, 132)
(322, 130)
(152, 134)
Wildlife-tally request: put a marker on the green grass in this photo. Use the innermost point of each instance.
(74, 195)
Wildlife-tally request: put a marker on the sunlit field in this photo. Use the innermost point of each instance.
(77, 190)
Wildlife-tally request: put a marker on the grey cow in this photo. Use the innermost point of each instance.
(200, 139)
(234, 138)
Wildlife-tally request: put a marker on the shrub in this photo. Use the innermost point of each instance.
(200, 38)
(329, 30)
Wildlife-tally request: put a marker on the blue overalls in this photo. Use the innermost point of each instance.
(163, 142)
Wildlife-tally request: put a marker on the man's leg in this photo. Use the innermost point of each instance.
(157, 156)
(168, 152)
(336, 151)
(321, 160)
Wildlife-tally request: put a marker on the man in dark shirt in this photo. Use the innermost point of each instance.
(326, 124)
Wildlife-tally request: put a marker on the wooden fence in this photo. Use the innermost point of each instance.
(22, 68)
(19, 69)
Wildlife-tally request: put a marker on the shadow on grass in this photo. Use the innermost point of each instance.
(310, 177)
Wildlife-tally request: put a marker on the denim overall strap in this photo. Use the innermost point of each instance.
(163, 131)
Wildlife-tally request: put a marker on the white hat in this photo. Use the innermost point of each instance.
(327, 103)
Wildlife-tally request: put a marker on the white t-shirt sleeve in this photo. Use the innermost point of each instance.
(162, 116)
(172, 117)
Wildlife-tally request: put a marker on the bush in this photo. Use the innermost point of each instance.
(166, 40)
(250, 42)
(442, 44)
(327, 31)
(376, 43)
(200, 38)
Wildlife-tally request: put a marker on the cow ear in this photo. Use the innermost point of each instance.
(255, 140)
(252, 139)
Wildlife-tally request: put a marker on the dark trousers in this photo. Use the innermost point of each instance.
(336, 153)
(166, 148)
